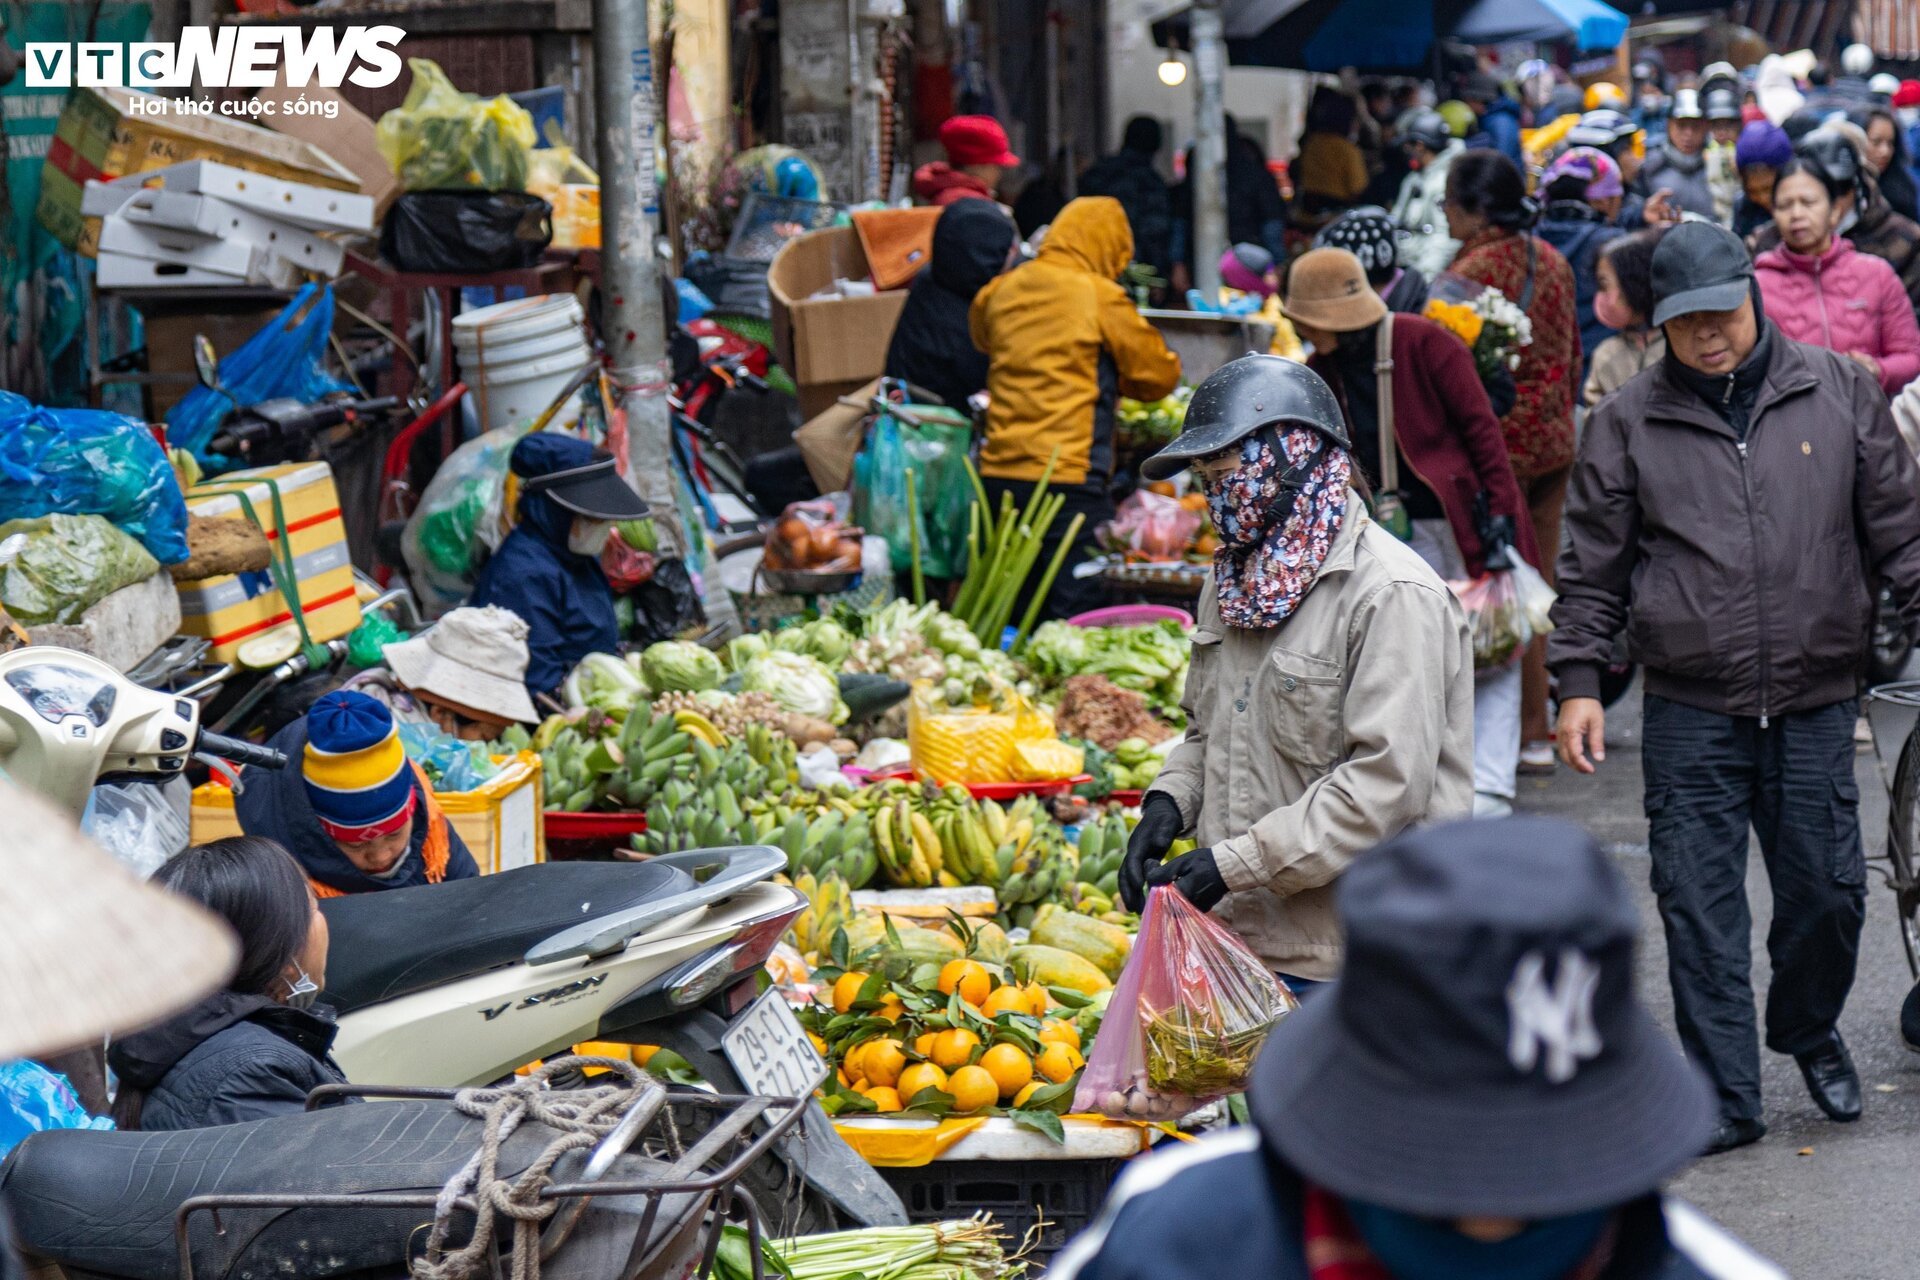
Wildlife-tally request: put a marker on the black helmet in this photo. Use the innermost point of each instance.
(1238, 399)
(1832, 153)
(1602, 127)
(1369, 234)
(1425, 126)
(1720, 102)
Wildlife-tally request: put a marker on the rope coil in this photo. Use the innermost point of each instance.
(580, 1117)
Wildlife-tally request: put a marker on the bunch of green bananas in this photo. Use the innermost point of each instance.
(1103, 844)
(1039, 862)
(580, 759)
(696, 804)
(829, 908)
(822, 835)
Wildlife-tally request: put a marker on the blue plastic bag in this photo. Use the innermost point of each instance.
(33, 1100)
(452, 764)
(85, 462)
(282, 359)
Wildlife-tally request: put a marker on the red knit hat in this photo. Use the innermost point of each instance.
(1908, 94)
(976, 140)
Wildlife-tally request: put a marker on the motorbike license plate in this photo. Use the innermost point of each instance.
(770, 1050)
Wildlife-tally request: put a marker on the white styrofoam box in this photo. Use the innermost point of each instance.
(216, 219)
(98, 199)
(122, 271)
(315, 208)
(229, 257)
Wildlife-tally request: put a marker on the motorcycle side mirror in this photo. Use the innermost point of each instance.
(206, 363)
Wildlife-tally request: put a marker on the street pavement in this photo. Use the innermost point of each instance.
(1836, 1202)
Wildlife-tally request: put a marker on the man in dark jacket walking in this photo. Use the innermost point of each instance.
(1739, 499)
(1479, 1095)
(931, 348)
(1128, 176)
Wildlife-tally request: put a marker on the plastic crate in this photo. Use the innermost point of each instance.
(1065, 1194)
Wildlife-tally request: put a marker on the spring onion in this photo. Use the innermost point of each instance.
(963, 1249)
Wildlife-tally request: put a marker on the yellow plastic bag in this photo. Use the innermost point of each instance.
(442, 139)
(983, 744)
(1046, 760)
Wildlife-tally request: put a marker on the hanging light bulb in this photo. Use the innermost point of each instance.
(1173, 72)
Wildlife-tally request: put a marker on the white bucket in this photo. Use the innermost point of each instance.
(517, 356)
(526, 390)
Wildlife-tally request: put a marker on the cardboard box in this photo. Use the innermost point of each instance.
(215, 219)
(499, 822)
(100, 138)
(837, 340)
(348, 137)
(231, 608)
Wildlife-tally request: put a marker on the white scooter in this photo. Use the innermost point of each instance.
(461, 983)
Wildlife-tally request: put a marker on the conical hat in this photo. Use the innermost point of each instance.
(87, 949)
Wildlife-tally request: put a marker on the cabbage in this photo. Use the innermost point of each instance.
(828, 641)
(744, 649)
(603, 681)
(797, 682)
(1058, 649)
(677, 666)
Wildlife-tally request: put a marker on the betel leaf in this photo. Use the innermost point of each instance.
(930, 1101)
(1040, 1122)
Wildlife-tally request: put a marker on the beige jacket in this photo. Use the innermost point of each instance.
(1310, 743)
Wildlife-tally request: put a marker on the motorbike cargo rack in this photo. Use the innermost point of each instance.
(730, 1141)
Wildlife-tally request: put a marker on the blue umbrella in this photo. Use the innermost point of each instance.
(1590, 24)
(1326, 35)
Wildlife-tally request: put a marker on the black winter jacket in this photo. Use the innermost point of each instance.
(1228, 1206)
(1746, 563)
(931, 346)
(1130, 178)
(228, 1059)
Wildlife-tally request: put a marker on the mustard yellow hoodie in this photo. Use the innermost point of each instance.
(1063, 342)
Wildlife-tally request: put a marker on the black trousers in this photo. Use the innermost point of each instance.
(1068, 595)
(1709, 777)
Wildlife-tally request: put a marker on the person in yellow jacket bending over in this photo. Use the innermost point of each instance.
(1064, 342)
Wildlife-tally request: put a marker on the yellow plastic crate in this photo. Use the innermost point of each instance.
(499, 822)
(229, 609)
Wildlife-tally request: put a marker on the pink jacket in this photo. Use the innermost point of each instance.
(1845, 301)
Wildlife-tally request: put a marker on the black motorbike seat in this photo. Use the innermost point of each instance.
(399, 941)
(104, 1202)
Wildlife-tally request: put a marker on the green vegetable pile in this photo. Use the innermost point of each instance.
(1150, 424)
(1150, 659)
(1135, 764)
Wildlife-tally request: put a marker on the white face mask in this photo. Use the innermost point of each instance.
(589, 537)
(302, 991)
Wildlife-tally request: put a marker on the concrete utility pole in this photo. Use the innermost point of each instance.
(1209, 174)
(635, 325)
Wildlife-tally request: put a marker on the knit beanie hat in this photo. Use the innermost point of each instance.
(1762, 143)
(357, 776)
(1245, 267)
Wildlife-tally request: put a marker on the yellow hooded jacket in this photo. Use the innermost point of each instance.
(1064, 341)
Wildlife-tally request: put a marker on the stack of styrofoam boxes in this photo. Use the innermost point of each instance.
(204, 224)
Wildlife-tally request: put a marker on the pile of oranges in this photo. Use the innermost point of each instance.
(1014, 1060)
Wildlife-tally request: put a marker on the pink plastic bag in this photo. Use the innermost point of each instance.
(1506, 609)
(1153, 525)
(1186, 1020)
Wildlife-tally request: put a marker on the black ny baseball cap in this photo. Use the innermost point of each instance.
(1699, 266)
(1483, 1053)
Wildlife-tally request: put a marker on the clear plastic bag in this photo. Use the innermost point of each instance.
(1153, 526)
(55, 568)
(460, 519)
(935, 447)
(442, 139)
(34, 1100)
(1506, 610)
(1186, 1019)
(142, 824)
(86, 462)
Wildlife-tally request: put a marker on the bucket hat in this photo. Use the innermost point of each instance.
(86, 949)
(1238, 399)
(1483, 1053)
(1699, 266)
(475, 658)
(976, 140)
(1328, 289)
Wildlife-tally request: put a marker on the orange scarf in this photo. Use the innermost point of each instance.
(436, 849)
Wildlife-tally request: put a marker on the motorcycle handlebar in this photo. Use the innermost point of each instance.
(240, 751)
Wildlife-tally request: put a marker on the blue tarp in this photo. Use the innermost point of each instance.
(1590, 24)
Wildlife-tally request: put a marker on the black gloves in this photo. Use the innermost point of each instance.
(1502, 393)
(1196, 875)
(1160, 825)
(1496, 534)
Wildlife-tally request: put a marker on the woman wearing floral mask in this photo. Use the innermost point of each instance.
(259, 1047)
(1330, 698)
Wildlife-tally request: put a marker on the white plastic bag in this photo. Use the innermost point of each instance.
(141, 823)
